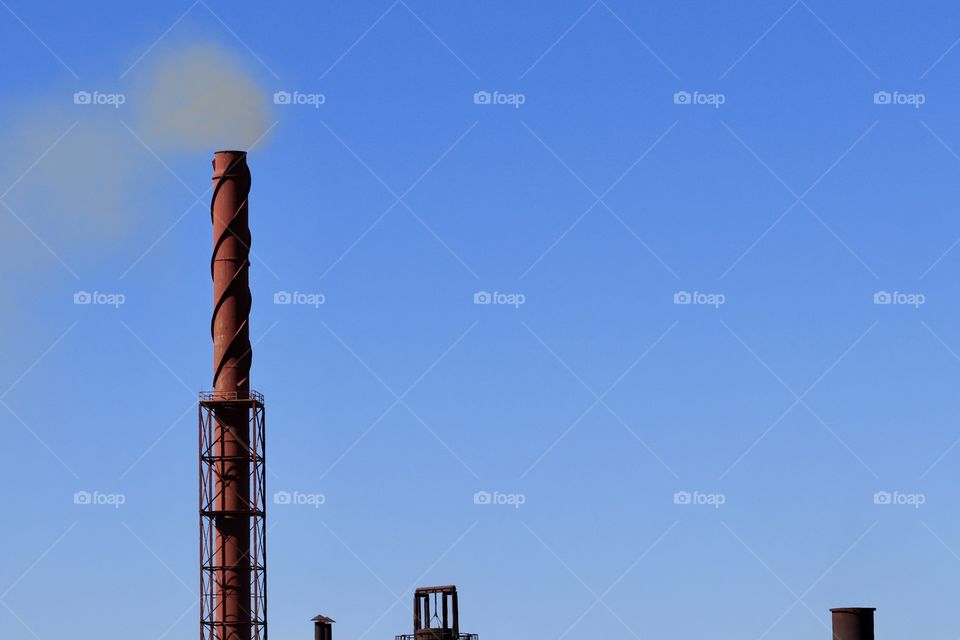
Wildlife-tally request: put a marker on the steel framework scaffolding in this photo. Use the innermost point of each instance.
(217, 410)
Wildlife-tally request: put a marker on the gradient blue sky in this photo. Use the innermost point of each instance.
(598, 399)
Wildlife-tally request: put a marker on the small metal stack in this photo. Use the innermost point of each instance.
(853, 623)
(323, 628)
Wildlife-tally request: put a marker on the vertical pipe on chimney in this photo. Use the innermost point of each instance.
(231, 380)
(444, 619)
(416, 613)
(456, 616)
(853, 623)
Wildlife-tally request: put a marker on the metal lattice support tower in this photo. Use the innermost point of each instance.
(214, 507)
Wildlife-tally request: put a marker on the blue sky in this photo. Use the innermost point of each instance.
(789, 169)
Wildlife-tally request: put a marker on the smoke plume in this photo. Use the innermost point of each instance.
(200, 98)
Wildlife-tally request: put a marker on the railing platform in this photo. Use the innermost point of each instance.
(462, 636)
(231, 396)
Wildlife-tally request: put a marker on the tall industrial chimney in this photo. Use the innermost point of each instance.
(852, 623)
(232, 468)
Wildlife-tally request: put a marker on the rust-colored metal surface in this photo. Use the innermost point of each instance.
(230, 328)
(852, 623)
(232, 502)
(230, 269)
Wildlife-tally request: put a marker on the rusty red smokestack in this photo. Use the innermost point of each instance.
(233, 567)
(852, 623)
(230, 329)
(230, 266)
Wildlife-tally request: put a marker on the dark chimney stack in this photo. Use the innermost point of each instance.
(852, 623)
(323, 628)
